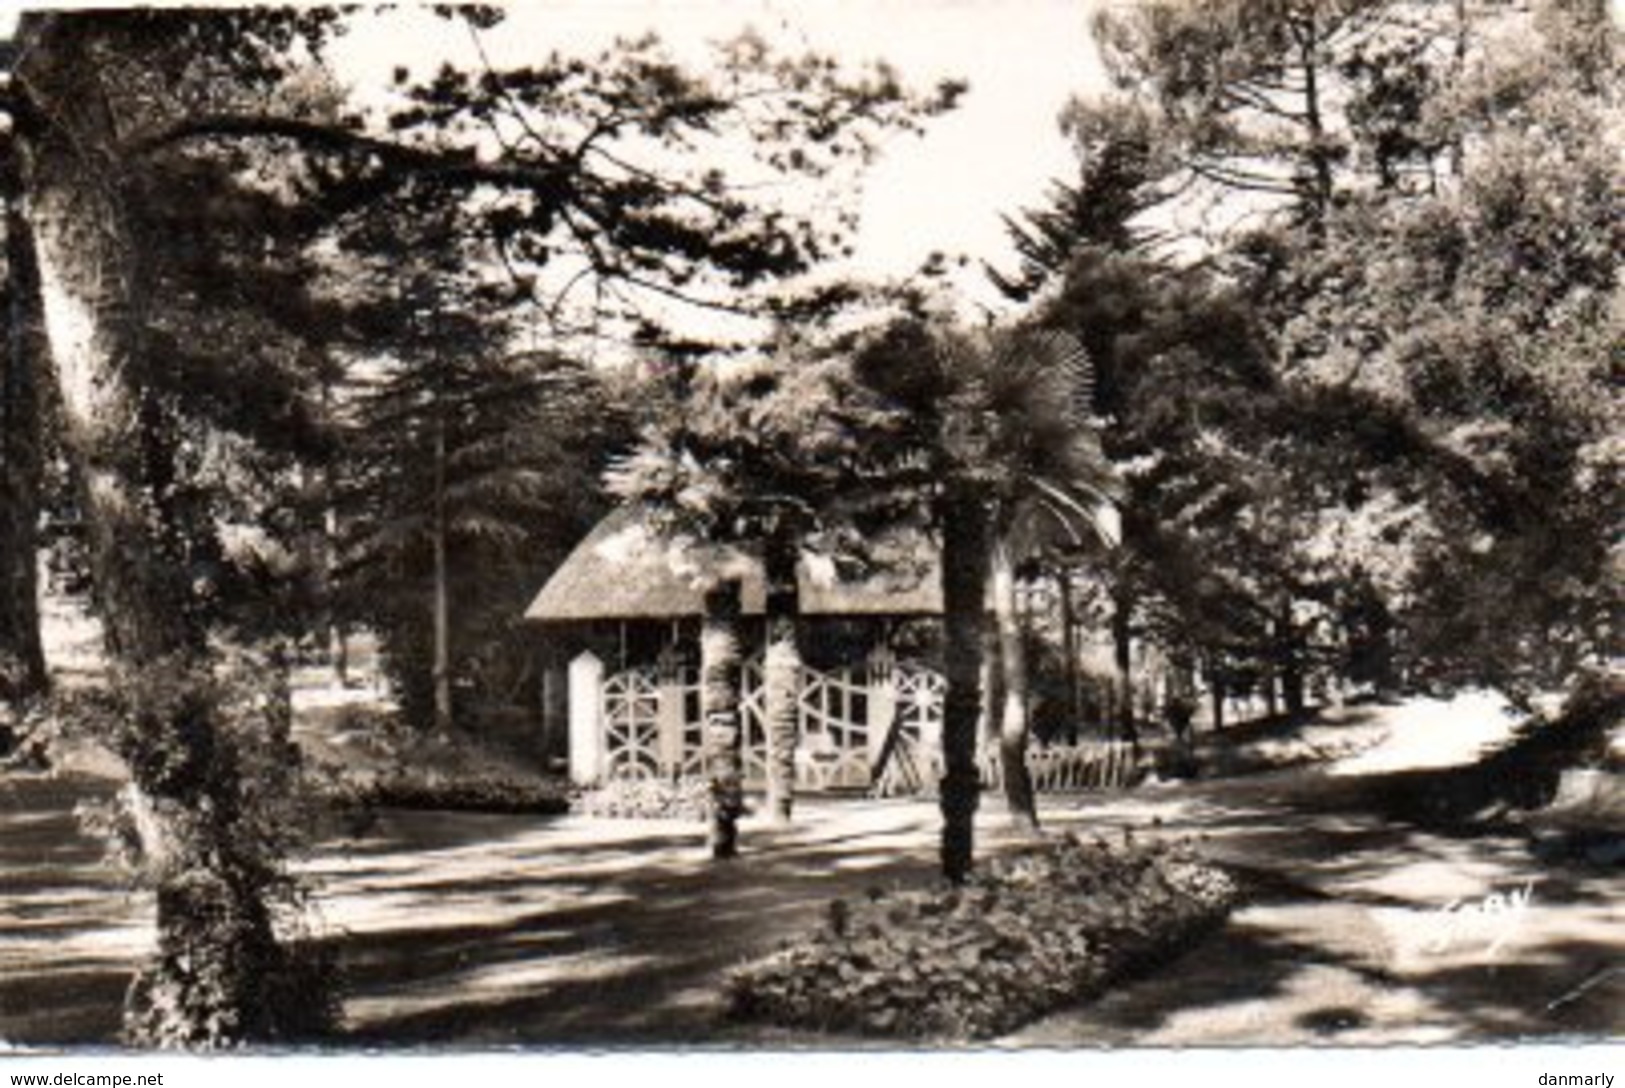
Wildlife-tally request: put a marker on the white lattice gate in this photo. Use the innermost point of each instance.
(652, 724)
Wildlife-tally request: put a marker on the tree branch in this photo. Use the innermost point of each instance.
(458, 166)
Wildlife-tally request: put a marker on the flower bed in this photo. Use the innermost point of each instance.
(646, 799)
(1031, 932)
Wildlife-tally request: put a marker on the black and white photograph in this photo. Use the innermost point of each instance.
(756, 526)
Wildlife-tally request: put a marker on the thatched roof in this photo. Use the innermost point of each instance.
(624, 570)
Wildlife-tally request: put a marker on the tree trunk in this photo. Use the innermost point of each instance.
(964, 582)
(338, 645)
(1014, 721)
(1215, 681)
(719, 707)
(22, 359)
(87, 282)
(1458, 70)
(441, 667)
(1069, 647)
(1319, 155)
(781, 677)
(1291, 659)
(1293, 691)
(1179, 701)
(990, 677)
(1122, 660)
(338, 640)
(218, 959)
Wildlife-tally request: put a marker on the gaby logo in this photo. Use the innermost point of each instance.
(1488, 924)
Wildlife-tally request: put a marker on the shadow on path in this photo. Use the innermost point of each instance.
(457, 929)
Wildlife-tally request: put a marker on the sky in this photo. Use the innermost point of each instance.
(944, 191)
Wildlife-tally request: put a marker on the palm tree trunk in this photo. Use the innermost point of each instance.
(22, 357)
(964, 580)
(1014, 723)
(992, 688)
(781, 676)
(719, 707)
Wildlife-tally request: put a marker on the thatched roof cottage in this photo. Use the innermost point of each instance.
(628, 587)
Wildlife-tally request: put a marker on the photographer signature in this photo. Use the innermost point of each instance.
(1488, 923)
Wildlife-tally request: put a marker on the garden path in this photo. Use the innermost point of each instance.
(471, 930)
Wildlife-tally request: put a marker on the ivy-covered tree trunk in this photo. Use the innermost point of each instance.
(22, 658)
(1014, 721)
(719, 708)
(964, 588)
(781, 676)
(218, 959)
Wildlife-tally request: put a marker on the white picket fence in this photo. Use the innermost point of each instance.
(1089, 765)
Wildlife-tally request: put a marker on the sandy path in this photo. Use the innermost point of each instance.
(493, 930)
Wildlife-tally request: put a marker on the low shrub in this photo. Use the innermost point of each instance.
(1032, 931)
(381, 764)
(647, 799)
(426, 789)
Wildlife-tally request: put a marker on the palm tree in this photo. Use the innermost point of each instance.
(1046, 485)
(781, 668)
(1001, 439)
(758, 464)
